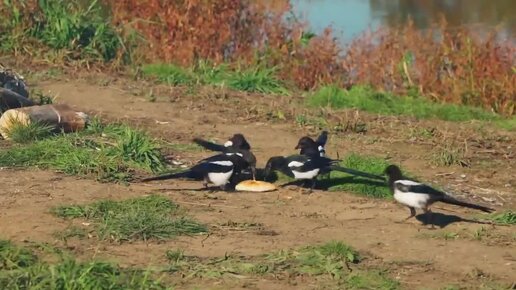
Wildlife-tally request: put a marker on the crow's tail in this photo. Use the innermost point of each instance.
(450, 200)
(357, 173)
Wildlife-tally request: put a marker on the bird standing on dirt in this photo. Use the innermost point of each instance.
(216, 169)
(303, 167)
(417, 195)
(236, 145)
(310, 147)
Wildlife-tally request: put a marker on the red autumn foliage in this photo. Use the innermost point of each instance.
(446, 65)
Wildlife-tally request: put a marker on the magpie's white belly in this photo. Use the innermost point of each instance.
(219, 178)
(306, 175)
(416, 200)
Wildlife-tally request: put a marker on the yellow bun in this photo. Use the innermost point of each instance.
(255, 185)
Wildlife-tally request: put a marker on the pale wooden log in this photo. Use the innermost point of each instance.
(60, 117)
(12, 100)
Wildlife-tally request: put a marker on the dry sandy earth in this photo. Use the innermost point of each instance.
(289, 218)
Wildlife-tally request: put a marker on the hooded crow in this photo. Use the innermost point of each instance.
(416, 195)
(216, 169)
(303, 167)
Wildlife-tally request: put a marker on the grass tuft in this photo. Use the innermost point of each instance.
(170, 74)
(257, 80)
(344, 182)
(26, 133)
(371, 280)
(367, 99)
(20, 268)
(449, 154)
(106, 152)
(328, 264)
(504, 218)
(151, 217)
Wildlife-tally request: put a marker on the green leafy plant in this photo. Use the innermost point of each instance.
(151, 217)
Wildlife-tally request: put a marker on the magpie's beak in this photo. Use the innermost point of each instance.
(297, 147)
(253, 172)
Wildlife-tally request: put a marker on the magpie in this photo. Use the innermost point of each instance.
(303, 167)
(310, 147)
(236, 145)
(416, 195)
(216, 169)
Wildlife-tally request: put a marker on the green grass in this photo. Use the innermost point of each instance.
(170, 74)
(328, 260)
(26, 133)
(365, 98)
(110, 152)
(80, 29)
(258, 80)
(504, 218)
(21, 268)
(372, 280)
(151, 217)
(344, 182)
(333, 264)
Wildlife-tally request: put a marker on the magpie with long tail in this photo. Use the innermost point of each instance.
(308, 146)
(216, 169)
(416, 195)
(236, 145)
(307, 168)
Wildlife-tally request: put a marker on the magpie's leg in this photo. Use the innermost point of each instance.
(311, 187)
(205, 182)
(412, 214)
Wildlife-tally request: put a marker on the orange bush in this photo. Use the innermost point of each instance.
(457, 66)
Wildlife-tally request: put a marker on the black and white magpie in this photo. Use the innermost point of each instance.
(310, 147)
(416, 195)
(216, 169)
(236, 145)
(303, 167)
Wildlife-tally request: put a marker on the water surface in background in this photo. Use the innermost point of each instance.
(349, 18)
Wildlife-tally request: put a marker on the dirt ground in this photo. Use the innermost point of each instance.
(289, 218)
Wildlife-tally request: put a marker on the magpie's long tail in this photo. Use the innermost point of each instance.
(356, 172)
(186, 174)
(450, 200)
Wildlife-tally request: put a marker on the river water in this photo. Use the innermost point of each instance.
(349, 18)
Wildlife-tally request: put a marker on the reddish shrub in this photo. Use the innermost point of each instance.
(447, 65)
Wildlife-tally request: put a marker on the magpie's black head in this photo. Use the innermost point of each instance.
(393, 172)
(238, 141)
(274, 163)
(306, 143)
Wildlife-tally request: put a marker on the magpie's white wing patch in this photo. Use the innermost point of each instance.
(306, 174)
(295, 164)
(407, 182)
(223, 163)
(228, 144)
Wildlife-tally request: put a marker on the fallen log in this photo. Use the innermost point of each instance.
(12, 100)
(59, 117)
